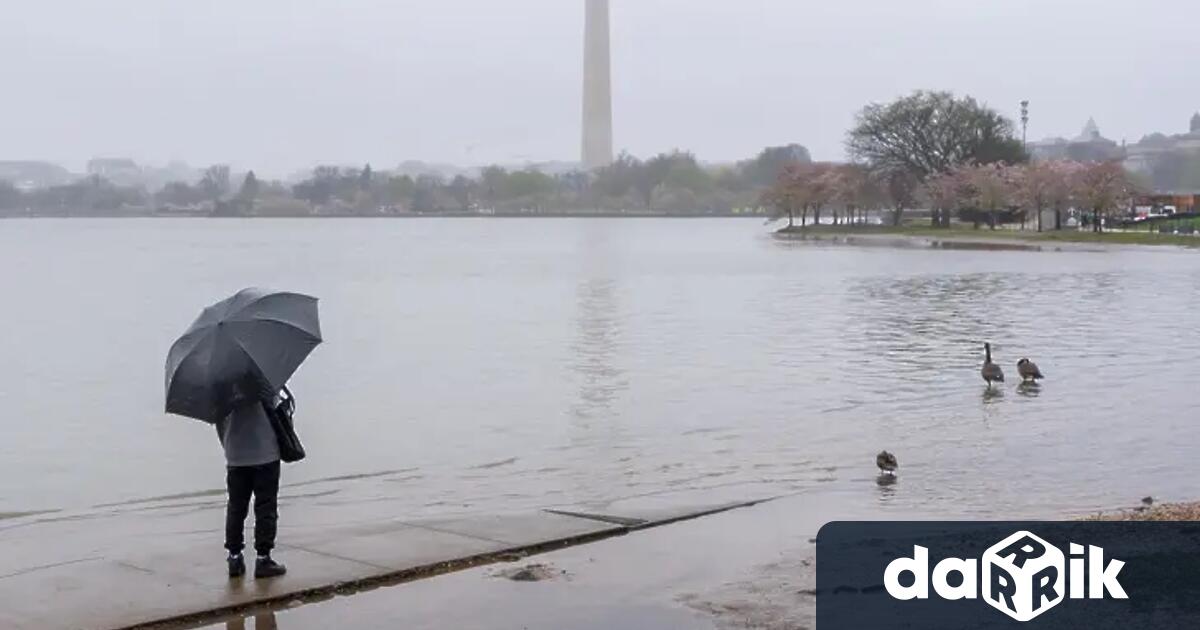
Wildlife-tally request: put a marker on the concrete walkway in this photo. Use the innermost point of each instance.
(142, 563)
(748, 568)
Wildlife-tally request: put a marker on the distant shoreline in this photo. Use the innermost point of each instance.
(983, 239)
(447, 215)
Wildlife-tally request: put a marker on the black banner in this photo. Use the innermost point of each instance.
(1029, 575)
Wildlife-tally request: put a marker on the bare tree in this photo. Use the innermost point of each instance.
(215, 182)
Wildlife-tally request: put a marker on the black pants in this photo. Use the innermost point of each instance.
(263, 483)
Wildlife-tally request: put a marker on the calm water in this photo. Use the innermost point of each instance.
(514, 363)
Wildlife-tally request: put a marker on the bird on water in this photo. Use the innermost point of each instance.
(991, 372)
(1029, 371)
(887, 463)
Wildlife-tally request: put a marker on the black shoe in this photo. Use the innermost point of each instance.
(237, 566)
(265, 567)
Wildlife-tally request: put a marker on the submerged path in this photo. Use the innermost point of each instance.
(148, 564)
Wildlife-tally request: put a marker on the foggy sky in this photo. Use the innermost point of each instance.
(279, 85)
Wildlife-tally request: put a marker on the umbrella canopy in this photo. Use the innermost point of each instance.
(251, 342)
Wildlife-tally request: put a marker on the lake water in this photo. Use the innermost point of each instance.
(492, 364)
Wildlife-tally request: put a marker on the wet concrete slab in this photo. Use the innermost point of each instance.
(745, 568)
(126, 566)
(399, 550)
(656, 510)
(521, 529)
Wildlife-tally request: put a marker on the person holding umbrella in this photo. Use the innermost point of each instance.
(230, 370)
(252, 462)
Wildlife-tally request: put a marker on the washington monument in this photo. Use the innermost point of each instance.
(597, 88)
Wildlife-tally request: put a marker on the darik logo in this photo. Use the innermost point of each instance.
(1023, 576)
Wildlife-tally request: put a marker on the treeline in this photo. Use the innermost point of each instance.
(669, 183)
(979, 194)
(90, 196)
(674, 182)
(953, 156)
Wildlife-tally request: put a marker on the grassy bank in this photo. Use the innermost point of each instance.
(966, 233)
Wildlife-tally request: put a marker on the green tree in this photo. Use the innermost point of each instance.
(462, 190)
(528, 183)
(493, 180)
(617, 179)
(181, 194)
(365, 178)
(928, 133)
(396, 191)
(765, 169)
(320, 189)
(427, 193)
(248, 193)
(649, 175)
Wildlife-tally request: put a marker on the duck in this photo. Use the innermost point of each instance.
(887, 463)
(991, 372)
(1029, 371)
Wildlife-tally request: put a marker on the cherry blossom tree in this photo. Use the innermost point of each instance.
(1046, 185)
(947, 192)
(994, 188)
(1103, 188)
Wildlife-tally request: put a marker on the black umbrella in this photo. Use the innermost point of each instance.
(251, 342)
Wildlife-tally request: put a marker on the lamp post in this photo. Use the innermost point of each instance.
(1025, 125)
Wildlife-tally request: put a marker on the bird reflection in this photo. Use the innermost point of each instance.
(1029, 389)
(992, 395)
(886, 484)
(262, 621)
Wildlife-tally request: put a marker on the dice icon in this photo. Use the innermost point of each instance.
(1024, 576)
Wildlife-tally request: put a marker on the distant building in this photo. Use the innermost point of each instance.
(1089, 146)
(1167, 163)
(120, 171)
(31, 175)
(1171, 162)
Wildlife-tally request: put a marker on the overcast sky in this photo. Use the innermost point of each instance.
(279, 85)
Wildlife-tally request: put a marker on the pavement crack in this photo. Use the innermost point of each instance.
(336, 556)
(459, 534)
(49, 566)
(603, 518)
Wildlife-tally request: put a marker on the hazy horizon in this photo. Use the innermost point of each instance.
(279, 86)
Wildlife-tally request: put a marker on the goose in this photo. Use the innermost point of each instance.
(1029, 371)
(887, 463)
(991, 372)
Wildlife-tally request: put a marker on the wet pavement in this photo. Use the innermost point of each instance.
(746, 568)
(126, 566)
